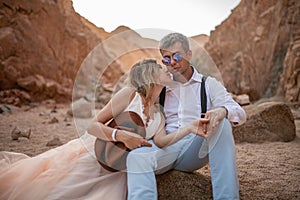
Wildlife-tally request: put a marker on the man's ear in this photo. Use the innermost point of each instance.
(189, 54)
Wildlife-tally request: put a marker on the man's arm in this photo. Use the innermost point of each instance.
(220, 98)
(222, 105)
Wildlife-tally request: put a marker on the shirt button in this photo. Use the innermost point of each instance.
(179, 123)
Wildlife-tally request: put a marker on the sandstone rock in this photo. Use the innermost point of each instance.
(178, 185)
(46, 88)
(42, 38)
(17, 133)
(54, 142)
(15, 97)
(26, 133)
(242, 99)
(81, 108)
(5, 109)
(250, 48)
(109, 62)
(53, 120)
(266, 122)
(201, 59)
(290, 79)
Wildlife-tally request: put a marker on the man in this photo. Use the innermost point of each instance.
(182, 105)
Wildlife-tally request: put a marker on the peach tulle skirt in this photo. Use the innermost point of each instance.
(66, 172)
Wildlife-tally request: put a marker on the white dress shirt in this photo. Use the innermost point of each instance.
(183, 102)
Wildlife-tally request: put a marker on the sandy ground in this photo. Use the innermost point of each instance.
(266, 171)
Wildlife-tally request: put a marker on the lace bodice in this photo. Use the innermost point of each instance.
(136, 105)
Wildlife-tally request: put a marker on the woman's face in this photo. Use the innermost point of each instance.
(165, 76)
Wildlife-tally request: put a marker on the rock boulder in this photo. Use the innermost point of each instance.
(266, 122)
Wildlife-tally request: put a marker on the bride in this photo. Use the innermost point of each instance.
(71, 171)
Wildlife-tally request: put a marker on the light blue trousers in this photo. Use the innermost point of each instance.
(189, 154)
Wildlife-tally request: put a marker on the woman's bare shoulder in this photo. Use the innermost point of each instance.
(124, 93)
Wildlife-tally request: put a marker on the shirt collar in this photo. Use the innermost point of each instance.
(196, 76)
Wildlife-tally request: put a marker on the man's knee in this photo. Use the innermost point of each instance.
(227, 125)
(224, 128)
(227, 131)
(140, 162)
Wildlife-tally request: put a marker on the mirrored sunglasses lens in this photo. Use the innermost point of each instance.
(177, 57)
(166, 60)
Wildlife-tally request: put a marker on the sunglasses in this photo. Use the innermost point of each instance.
(177, 57)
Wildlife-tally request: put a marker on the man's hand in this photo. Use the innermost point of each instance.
(214, 116)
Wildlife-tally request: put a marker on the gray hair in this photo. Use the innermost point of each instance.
(171, 39)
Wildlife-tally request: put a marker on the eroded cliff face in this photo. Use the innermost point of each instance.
(256, 46)
(289, 85)
(44, 43)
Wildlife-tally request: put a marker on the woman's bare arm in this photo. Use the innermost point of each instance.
(162, 139)
(115, 106)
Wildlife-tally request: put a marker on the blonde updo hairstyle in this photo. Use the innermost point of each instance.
(143, 75)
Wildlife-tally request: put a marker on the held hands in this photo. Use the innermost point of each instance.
(205, 127)
(199, 127)
(214, 116)
(131, 140)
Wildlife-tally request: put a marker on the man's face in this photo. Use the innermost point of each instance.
(177, 60)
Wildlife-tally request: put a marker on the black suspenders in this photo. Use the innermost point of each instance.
(202, 93)
(203, 97)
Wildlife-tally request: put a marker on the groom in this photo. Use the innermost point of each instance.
(183, 105)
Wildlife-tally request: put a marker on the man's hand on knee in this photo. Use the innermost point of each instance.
(215, 116)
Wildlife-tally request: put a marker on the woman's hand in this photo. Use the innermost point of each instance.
(131, 140)
(199, 127)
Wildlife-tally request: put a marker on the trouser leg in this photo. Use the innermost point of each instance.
(190, 161)
(222, 159)
(220, 151)
(143, 163)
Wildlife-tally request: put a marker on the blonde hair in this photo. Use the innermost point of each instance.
(143, 75)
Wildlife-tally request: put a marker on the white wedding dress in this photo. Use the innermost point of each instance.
(70, 171)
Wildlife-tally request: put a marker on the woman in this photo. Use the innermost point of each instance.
(71, 170)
